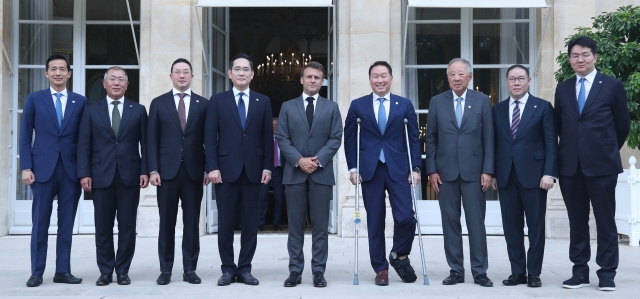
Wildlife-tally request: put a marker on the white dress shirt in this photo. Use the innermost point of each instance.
(315, 101)
(110, 107)
(588, 82)
(187, 100)
(455, 103)
(386, 104)
(245, 97)
(512, 105)
(63, 99)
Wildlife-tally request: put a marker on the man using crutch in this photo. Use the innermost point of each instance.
(384, 167)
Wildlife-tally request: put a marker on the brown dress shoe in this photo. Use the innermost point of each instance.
(382, 279)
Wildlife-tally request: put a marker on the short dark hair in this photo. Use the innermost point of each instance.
(58, 57)
(238, 56)
(517, 66)
(117, 68)
(584, 41)
(181, 60)
(382, 63)
(314, 65)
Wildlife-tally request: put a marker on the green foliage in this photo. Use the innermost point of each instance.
(618, 37)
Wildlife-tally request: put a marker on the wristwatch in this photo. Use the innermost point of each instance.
(416, 169)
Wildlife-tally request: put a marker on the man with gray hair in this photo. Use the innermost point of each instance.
(460, 161)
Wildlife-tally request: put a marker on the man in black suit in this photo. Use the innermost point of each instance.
(175, 139)
(239, 153)
(526, 152)
(112, 135)
(276, 183)
(592, 121)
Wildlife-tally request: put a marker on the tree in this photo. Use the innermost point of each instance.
(618, 37)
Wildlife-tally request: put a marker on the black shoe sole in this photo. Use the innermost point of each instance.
(184, 278)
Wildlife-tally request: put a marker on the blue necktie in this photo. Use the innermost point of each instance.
(382, 123)
(458, 111)
(581, 96)
(59, 108)
(242, 110)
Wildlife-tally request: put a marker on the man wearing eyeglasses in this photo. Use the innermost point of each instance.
(239, 155)
(175, 139)
(526, 152)
(592, 121)
(112, 136)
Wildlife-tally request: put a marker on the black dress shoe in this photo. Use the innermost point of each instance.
(515, 280)
(66, 278)
(261, 227)
(104, 280)
(123, 279)
(454, 278)
(293, 280)
(483, 280)
(164, 278)
(318, 280)
(247, 279)
(34, 281)
(534, 281)
(276, 227)
(226, 279)
(191, 277)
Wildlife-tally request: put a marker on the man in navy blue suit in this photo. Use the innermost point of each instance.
(526, 152)
(239, 155)
(176, 163)
(592, 121)
(384, 165)
(48, 164)
(110, 143)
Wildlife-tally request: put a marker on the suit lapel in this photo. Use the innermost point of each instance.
(449, 106)
(194, 105)
(320, 103)
(468, 104)
(47, 101)
(370, 111)
(393, 110)
(127, 110)
(253, 107)
(68, 110)
(503, 114)
(303, 112)
(233, 107)
(596, 86)
(529, 110)
(573, 99)
(170, 104)
(104, 115)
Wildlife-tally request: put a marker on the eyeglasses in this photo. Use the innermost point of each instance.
(584, 56)
(238, 70)
(114, 79)
(179, 72)
(519, 79)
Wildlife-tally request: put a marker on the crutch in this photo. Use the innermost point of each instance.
(415, 204)
(356, 213)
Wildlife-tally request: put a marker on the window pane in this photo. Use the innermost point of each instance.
(437, 14)
(111, 45)
(433, 43)
(218, 50)
(218, 17)
(506, 43)
(39, 41)
(423, 84)
(218, 84)
(500, 13)
(30, 80)
(491, 82)
(46, 10)
(112, 10)
(95, 91)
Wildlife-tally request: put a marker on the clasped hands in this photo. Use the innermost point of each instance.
(434, 179)
(308, 165)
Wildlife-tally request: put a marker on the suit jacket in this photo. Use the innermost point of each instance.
(230, 147)
(167, 145)
(393, 141)
(39, 114)
(297, 140)
(99, 150)
(593, 138)
(466, 151)
(534, 150)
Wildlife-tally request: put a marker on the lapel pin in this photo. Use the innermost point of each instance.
(257, 100)
(600, 82)
(535, 106)
(73, 102)
(130, 106)
(197, 101)
(469, 107)
(396, 103)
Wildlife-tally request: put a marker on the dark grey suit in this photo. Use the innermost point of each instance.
(460, 155)
(297, 140)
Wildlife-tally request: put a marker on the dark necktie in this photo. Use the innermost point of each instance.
(181, 111)
(310, 111)
(115, 118)
(242, 110)
(515, 119)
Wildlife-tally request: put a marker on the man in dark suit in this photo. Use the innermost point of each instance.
(175, 138)
(239, 153)
(460, 161)
(309, 135)
(525, 167)
(276, 184)
(384, 165)
(112, 136)
(48, 164)
(592, 121)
